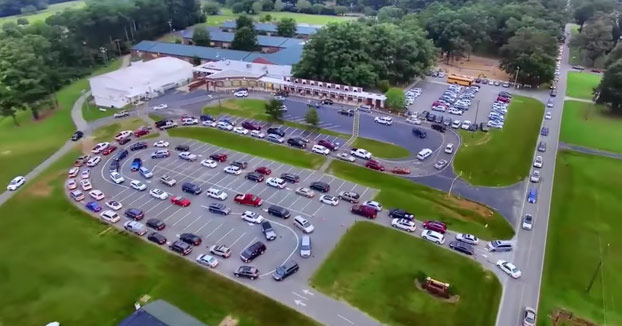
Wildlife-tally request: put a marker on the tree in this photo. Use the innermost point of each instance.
(201, 36)
(278, 5)
(22, 21)
(531, 53)
(267, 5)
(257, 7)
(303, 5)
(614, 55)
(395, 99)
(211, 8)
(610, 87)
(244, 20)
(312, 117)
(390, 14)
(9, 104)
(244, 39)
(286, 27)
(596, 39)
(586, 10)
(273, 109)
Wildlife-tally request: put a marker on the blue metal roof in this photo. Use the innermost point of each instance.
(219, 36)
(268, 27)
(190, 51)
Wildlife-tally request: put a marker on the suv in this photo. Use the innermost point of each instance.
(254, 176)
(241, 164)
(289, 177)
(419, 133)
(247, 271)
(328, 144)
(435, 226)
(288, 268)
(191, 188)
(167, 180)
(276, 131)
(182, 148)
(268, 231)
(135, 214)
(279, 211)
(181, 247)
(253, 251)
(400, 213)
(438, 127)
(349, 196)
(294, 142)
(219, 208)
(364, 210)
(250, 125)
(320, 186)
(190, 238)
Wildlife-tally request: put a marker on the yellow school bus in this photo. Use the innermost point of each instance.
(460, 80)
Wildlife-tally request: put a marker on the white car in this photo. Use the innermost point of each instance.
(207, 260)
(283, 108)
(158, 194)
(548, 115)
(85, 174)
(136, 184)
(121, 114)
(85, 184)
(449, 149)
(240, 94)
(535, 176)
(276, 183)
(71, 184)
(187, 121)
(361, 153)
(373, 204)
(216, 194)
(387, 121)
(160, 107)
(433, 236)
(161, 144)
(527, 222)
(116, 177)
(537, 163)
(252, 217)
(319, 149)
(466, 124)
(115, 205)
(123, 134)
(329, 200)
(93, 161)
(73, 172)
(508, 268)
(187, 156)
(404, 224)
(209, 163)
(467, 238)
(232, 169)
(346, 157)
(414, 121)
(110, 216)
(456, 124)
(100, 147)
(16, 183)
(209, 123)
(96, 194)
(455, 111)
(257, 134)
(225, 126)
(240, 130)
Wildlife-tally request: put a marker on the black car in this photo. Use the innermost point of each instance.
(219, 208)
(462, 247)
(419, 133)
(400, 213)
(288, 268)
(154, 223)
(347, 113)
(241, 164)
(296, 143)
(268, 230)
(276, 131)
(181, 247)
(77, 135)
(182, 148)
(279, 211)
(190, 238)
(123, 141)
(191, 188)
(473, 127)
(157, 238)
(254, 176)
(160, 123)
(135, 214)
(423, 115)
(553, 93)
(320, 186)
(439, 119)
(290, 177)
(137, 146)
(253, 251)
(431, 117)
(206, 117)
(114, 166)
(121, 155)
(302, 139)
(438, 127)
(327, 101)
(247, 271)
(483, 127)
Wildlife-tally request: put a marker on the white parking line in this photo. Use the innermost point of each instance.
(166, 219)
(160, 201)
(204, 225)
(342, 184)
(364, 192)
(236, 240)
(251, 242)
(214, 230)
(135, 200)
(181, 219)
(189, 225)
(224, 236)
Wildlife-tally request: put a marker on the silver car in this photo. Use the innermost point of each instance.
(305, 246)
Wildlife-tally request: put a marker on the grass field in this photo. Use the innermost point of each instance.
(43, 14)
(461, 215)
(502, 157)
(584, 231)
(574, 57)
(91, 112)
(106, 133)
(226, 14)
(251, 146)
(591, 126)
(155, 117)
(56, 258)
(381, 149)
(380, 281)
(24, 147)
(581, 84)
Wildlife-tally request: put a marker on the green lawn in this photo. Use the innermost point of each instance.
(581, 84)
(381, 149)
(583, 231)
(502, 157)
(24, 147)
(91, 112)
(591, 126)
(57, 264)
(106, 133)
(43, 14)
(379, 279)
(251, 146)
(155, 117)
(226, 14)
(574, 57)
(460, 215)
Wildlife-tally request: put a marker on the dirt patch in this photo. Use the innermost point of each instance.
(483, 140)
(566, 318)
(228, 321)
(475, 67)
(42, 187)
(87, 144)
(471, 206)
(7, 152)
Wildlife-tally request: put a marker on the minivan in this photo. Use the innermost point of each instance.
(288, 268)
(419, 133)
(499, 245)
(303, 224)
(253, 251)
(424, 153)
(279, 211)
(145, 172)
(191, 188)
(305, 246)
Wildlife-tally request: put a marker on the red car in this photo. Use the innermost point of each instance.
(398, 170)
(141, 132)
(597, 70)
(109, 149)
(328, 144)
(250, 125)
(248, 199)
(437, 226)
(180, 201)
(220, 157)
(364, 210)
(374, 165)
(263, 170)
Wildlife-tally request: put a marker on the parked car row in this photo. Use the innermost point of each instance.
(499, 109)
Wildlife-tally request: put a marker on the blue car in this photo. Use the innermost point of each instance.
(544, 131)
(206, 117)
(93, 206)
(121, 155)
(228, 121)
(136, 164)
(532, 196)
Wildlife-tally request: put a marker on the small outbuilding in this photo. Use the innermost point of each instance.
(160, 313)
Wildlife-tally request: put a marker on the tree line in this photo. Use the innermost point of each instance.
(36, 60)
(17, 7)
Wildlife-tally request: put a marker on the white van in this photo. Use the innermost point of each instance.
(424, 153)
(305, 246)
(216, 193)
(319, 149)
(499, 245)
(303, 224)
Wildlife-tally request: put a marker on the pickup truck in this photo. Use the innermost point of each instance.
(167, 125)
(248, 199)
(165, 179)
(361, 153)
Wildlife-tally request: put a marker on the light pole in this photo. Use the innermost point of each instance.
(476, 113)
(170, 25)
(103, 50)
(516, 78)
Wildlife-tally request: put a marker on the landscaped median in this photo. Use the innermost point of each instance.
(374, 269)
(251, 146)
(381, 149)
(502, 157)
(460, 215)
(55, 257)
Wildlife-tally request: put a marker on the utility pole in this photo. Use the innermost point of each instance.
(103, 50)
(516, 78)
(476, 113)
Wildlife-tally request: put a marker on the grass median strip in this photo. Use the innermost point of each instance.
(591, 125)
(381, 149)
(54, 259)
(461, 215)
(502, 157)
(251, 146)
(374, 269)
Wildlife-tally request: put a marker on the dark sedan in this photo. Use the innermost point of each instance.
(462, 247)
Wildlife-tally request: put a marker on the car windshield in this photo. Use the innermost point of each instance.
(280, 271)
